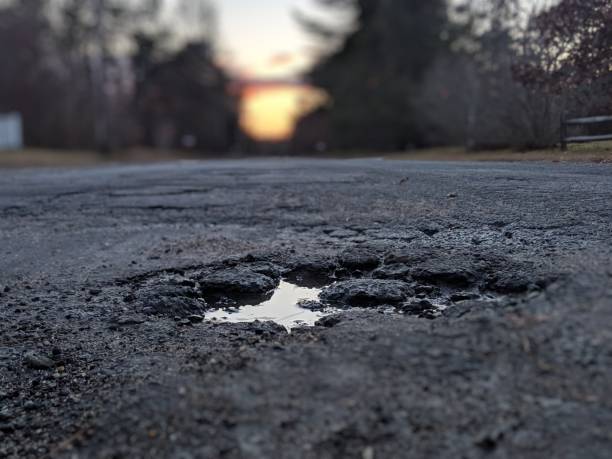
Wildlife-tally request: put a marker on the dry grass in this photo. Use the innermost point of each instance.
(597, 152)
(600, 152)
(59, 158)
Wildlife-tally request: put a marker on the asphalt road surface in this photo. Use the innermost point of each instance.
(468, 310)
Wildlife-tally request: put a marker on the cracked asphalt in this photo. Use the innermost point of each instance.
(105, 274)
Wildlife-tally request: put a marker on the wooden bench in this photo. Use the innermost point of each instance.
(566, 123)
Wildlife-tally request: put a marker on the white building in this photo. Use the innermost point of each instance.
(11, 131)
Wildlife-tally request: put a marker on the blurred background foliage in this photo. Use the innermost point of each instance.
(398, 75)
(107, 74)
(484, 74)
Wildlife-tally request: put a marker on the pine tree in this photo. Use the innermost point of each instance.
(372, 77)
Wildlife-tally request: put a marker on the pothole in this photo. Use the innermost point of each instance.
(283, 308)
(309, 289)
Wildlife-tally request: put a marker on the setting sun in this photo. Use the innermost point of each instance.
(269, 111)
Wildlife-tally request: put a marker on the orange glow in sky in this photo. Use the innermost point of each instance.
(269, 112)
(261, 42)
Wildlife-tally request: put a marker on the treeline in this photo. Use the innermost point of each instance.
(115, 73)
(498, 73)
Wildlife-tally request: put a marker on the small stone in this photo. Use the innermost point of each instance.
(452, 195)
(5, 415)
(429, 230)
(311, 305)
(170, 299)
(240, 280)
(311, 272)
(38, 362)
(328, 322)
(366, 293)
(368, 453)
(359, 259)
(30, 405)
(195, 318)
(445, 275)
(395, 271)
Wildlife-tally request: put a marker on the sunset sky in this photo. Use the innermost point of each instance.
(261, 41)
(260, 38)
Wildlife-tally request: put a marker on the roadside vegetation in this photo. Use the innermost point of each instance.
(111, 74)
(408, 74)
(599, 152)
(398, 75)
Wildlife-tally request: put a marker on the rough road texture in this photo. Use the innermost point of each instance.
(106, 273)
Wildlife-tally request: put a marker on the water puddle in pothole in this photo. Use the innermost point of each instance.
(283, 308)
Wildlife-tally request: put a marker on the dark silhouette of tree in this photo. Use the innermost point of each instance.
(28, 78)
(568, 45)
(486, 74)
(372, 77)
(181, 99)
